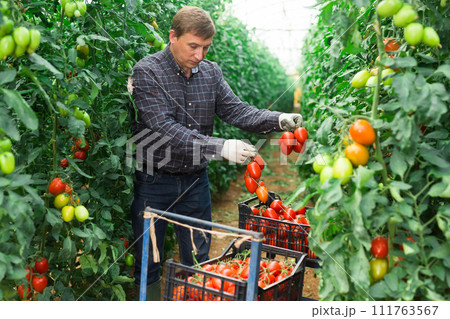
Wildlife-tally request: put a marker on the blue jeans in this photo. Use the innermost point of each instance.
(162, 191)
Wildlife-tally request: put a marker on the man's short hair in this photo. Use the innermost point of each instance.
(195, 20)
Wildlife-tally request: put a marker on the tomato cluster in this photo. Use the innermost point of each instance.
(251, 179)
(66, 201)
(361, 134)
(73, 8)
(293, 141)
(36, 279)
(404, 16)
(270, 272)
(16, 41)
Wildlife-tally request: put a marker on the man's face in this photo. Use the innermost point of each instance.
(188, 49)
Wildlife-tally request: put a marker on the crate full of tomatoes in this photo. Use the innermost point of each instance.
(282, 226)
(225, 278)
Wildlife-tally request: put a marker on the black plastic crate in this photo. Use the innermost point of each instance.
(278, 233)
(179, 287)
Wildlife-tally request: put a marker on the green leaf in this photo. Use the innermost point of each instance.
(324, 130)
(77, 168)
(339, 279)
(444, 69)
(8, 125)
(363, 175)
(122, 279)
(23, 110)
(119, 292)
(398, 163)
(103, 253)
(99, 232)
(121, 141)
(78, 232)
(88, 262)
(440, 252)
(378, 290)
(97, 37)
(68, 251)
(405, 62)
(131, 5)
(403, 85)
(7, 76)
(40, 64)
(359, 268)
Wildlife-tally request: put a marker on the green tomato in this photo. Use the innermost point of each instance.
(70, 8)
(388, 8)
(129, 54)
(7, 46)
(157, 42)
(78, 113)
(372, 81)
(378, 268)
(63, 3)
(360, 79)
(4, 6)
(7, 162)
(81, 6)
(405, 16)
(19, 51)
(63, 112)
(385, 73)
(81, 213)
(129, 260)
(343, 168)
(35, 39)
(71, 97)
(326, 174)
(7, 26)
(5, 145)
(414, 33)
(61, 200)
(321, 161)
(80, 62)
(430, 37)
(87, 119)
(21, 36)
(68, 213)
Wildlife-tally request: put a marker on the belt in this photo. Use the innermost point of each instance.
(157, 170)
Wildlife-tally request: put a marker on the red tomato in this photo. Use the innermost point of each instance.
(301, 134)
(29, 274)
(362, 132)
(277, 205)
(283, 231)
(390, 45)
(258, 159)
(289, 214)
(255, 211)
(270, 213)
(68, 189)
(286, 149)
(301, 211)
(251, 224)
(244, 272)
(64, 162)
(39, 283)
(274, 268)
(21, 292)
(78, 144)
(254, 170)
(379, 248)
(251, 184)
(41, 265)
(298, 147)
(81, 155)
(56, 186)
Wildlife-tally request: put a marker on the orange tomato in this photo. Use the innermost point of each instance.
(362, 132)
(357, 154)
(262, 193)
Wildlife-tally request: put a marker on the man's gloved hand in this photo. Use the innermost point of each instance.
(237, 151)
(290, 121)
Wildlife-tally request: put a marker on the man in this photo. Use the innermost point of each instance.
(177, 93)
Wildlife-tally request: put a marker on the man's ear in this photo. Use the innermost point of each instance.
(172, 36)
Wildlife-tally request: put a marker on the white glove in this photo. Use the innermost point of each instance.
(237, 151)
(290, 121)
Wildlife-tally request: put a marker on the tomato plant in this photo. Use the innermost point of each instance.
(398, 192)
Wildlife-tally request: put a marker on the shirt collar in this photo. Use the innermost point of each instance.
(173, 63)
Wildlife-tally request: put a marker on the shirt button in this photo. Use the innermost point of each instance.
(190, 103)
(178, 73)
(189, 125)
(185, 166)
(188, 82)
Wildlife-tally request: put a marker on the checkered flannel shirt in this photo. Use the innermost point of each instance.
(175, 115)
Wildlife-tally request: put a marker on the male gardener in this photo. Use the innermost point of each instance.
(177, 93)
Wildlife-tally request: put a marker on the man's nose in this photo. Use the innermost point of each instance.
(198, 54)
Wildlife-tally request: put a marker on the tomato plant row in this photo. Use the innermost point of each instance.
(378, 144)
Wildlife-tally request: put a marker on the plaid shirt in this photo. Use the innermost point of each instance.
(175, 115)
